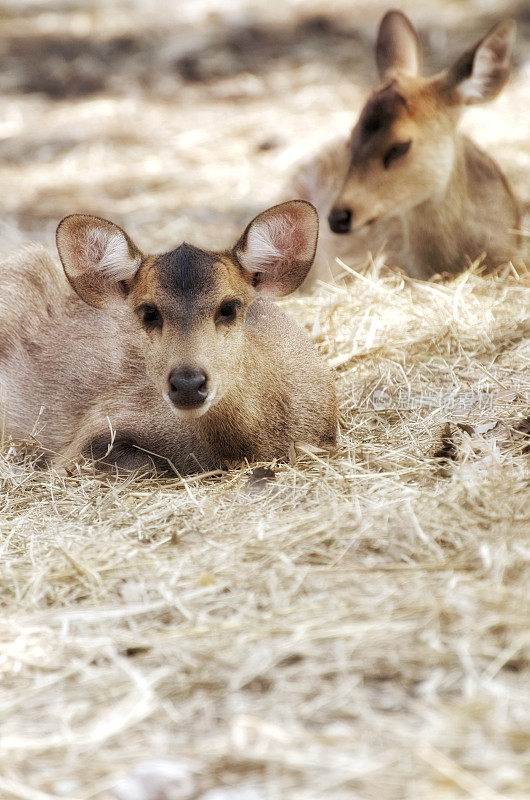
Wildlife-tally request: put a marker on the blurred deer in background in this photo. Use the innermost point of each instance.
(407, 161)
(155, 361)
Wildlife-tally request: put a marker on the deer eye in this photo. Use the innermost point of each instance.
(150, 316)
(227, 312)
(395, 152)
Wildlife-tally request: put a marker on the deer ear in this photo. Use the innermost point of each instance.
(278, 247)
(481, 72)
(397, 47)
(97, 256)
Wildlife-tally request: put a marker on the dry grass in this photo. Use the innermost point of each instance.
(359, 629)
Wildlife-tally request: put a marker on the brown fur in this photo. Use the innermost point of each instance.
(90, 381)
(451, 201)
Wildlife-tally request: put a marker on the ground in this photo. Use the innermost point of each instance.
(360, 627)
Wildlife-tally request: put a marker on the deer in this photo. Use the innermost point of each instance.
(407, 175)
(180, 362)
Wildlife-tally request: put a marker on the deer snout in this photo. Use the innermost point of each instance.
(340, 219)
(188, 388)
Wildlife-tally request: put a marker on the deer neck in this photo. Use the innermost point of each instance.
(435, 230)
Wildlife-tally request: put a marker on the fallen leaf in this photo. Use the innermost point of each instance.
(448, 451)
(469, 429)
(259, 480)
(522, 431)
(486, 427)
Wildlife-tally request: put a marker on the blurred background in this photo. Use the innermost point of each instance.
(182, 120)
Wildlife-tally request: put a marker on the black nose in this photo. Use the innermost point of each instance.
(187, 387)
(340, 220)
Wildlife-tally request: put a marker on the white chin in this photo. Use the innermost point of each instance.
(191, 413)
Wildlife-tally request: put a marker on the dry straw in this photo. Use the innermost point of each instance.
(359, 628)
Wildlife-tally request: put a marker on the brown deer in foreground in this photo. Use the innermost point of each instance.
(406, 161)
(149, 361)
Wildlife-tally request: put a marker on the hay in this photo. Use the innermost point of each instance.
(359, 628)
(356, 628)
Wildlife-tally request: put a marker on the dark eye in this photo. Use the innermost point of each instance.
(150, 316)
(395, 152)
(227, 312)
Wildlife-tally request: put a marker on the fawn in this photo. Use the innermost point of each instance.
(169, 361)
(406, 168)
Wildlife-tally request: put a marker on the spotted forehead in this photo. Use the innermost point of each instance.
(187, 271)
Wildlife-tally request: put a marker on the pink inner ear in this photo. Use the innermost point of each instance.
(279, 246)
(103, 253)
(84, 250)
(87, 252)
(291, 240)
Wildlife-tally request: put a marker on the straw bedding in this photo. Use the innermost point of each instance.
(357, 624)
